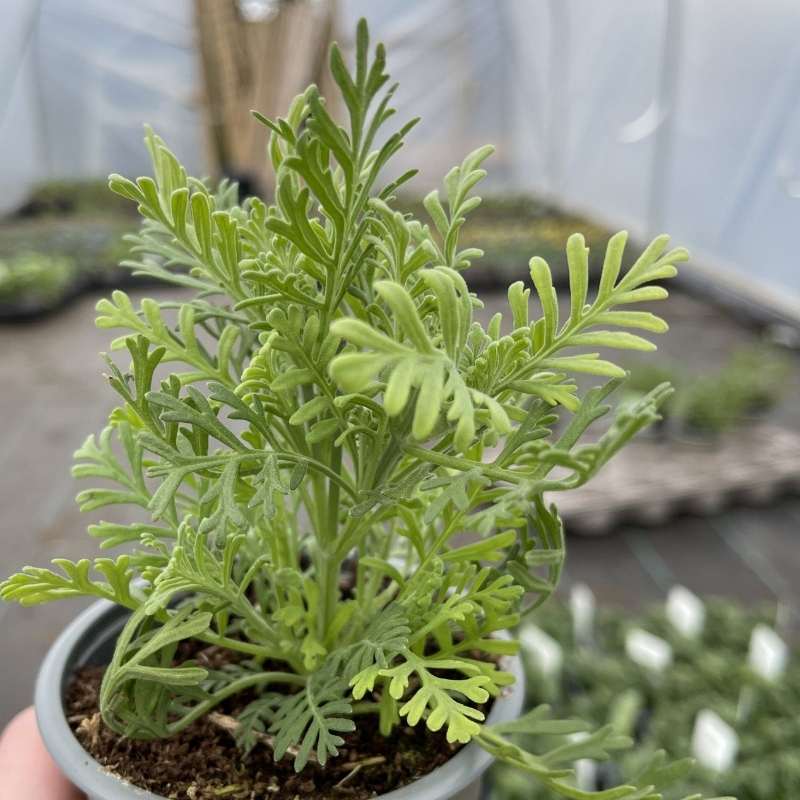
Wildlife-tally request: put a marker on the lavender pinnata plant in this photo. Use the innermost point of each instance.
(331, 419)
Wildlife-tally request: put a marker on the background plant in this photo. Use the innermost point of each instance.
(35, 277)
(752, 381)
(508, 228)
(602, 685)
(330, 419)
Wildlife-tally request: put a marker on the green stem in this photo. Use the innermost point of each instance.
(448, 531)
(240, 646)
(366, 708)
(207, 462)
(464, 464)
(329, 592)
(234, 688)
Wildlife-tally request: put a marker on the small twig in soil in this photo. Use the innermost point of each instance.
(231, 725)
(226, 790)
(356, 766)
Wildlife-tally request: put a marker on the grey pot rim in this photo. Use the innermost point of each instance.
(93, 779)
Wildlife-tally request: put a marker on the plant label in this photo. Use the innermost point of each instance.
(585, 768)
(686, 612)
(648, 651)
(768, 654)
(586, 774)
(542, 650)
(714, 742)
(582, 605)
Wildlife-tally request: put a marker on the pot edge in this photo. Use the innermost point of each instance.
(91, 777)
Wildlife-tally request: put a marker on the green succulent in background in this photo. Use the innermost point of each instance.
(93, 248)
(602, 685)
(74, 197)
(759, 376)
(312, 431)
(509, 228)
(35, 278)
(507, 242)
(643, 378)
(752, 380)
(67, 239)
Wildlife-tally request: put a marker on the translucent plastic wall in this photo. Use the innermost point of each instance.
(78, 79)
(678, 115)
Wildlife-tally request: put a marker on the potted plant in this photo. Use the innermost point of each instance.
(705, 407)
(343, 474)
(709, 670)
(32, 284)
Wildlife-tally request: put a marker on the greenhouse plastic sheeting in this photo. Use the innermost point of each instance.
(676, 115)
(79, 79)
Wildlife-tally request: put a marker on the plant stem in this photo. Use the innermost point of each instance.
(234, 688)
(464, 464)
(329, 589)
(329, 592)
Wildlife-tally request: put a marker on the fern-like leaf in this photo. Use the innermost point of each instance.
(436, 697)
(385, 636)
(312, 719)
(35, 585)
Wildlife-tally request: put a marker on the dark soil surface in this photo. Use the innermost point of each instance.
(203, 762)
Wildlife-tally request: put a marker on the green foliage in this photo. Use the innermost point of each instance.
(751, 381)
(35, 279)
(342, 467)
(47, 260)
(79, 197)
(603, 686)
(313, 718)
(564, 742)
(36, 585)
(509, 228)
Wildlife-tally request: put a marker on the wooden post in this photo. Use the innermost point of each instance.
(256, 65)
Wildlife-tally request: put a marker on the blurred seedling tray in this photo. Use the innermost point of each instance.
(653, 480)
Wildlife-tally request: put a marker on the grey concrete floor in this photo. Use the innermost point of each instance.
(53, 395)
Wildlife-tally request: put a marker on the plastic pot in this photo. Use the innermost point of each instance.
(90, 640)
